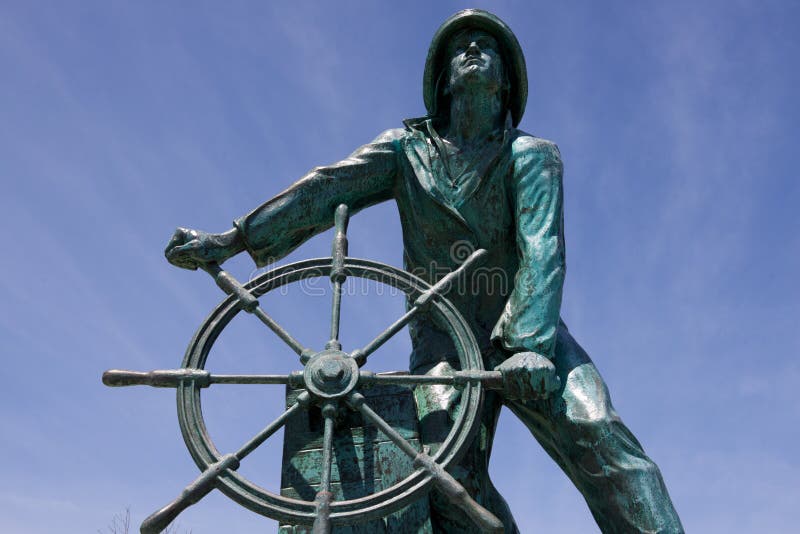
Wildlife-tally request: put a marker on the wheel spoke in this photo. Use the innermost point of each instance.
(172, 378)
(489, 379)
(443, 480)
(362, 354)
(420, 303)
(261, 437)
(356, 402)
(336, 310)
(322, 522)
(280, 331)
(191, 494)
(295, 379)
(338, 276)
(249, 303)
(159, 378)
(207, 481)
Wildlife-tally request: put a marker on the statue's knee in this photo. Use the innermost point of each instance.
(602, 445)
(590, 423)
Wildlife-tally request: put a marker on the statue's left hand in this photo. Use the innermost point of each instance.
(528, 376)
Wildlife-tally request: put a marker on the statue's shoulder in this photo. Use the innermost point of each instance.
(525, 144)
(391, 135)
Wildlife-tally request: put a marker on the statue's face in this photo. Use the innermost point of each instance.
(474, 58)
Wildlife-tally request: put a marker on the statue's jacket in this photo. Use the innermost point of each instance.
(509, 202)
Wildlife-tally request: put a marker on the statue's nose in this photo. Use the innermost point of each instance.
(473, 48)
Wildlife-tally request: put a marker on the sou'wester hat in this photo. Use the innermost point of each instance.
(511, 52)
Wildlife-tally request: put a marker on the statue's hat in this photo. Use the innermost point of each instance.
(513, 59)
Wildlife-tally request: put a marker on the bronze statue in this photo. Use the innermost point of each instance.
(465, 174)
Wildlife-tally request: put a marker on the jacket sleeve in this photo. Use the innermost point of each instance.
(283, 223)
(531, 315)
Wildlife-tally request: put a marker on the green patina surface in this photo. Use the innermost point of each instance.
(464, 178)
(365, 461)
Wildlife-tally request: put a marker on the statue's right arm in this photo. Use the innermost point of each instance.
(271, 231)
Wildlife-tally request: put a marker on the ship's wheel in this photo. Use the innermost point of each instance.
(330, 378)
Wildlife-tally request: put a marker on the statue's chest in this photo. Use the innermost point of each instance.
(459, 172)
(460, 165)
(463, 198)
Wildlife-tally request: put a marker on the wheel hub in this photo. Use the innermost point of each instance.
(331, 374)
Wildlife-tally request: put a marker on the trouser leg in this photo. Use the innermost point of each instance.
(579, 428)
(581, 431)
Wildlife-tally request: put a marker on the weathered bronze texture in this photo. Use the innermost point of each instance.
(470, 188)
(366, 461)
(328, 381)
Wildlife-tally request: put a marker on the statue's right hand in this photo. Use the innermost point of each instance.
(528, 375)
(188, 248)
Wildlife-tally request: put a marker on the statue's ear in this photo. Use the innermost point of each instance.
(506, 77)
(442, 87)
(505, 89)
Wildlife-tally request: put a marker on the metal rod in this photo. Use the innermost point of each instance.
(327, 453)
(252, 379)
(338, 276)
(443, 285)
(191, 494)
(384, 336)
(279, 331)
(356, 402)
(339, 245)
(159, 378)
(271, 428)
(249, 303)
(443, 480)
(173, 378)
(322, 521)
(489, 379)
(451, 488)
(335, 316)
(207, 481)
(420, 303)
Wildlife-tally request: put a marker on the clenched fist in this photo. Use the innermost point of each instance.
(528, 376)
(190, 249)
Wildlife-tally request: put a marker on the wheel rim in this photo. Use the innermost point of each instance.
(295, 511)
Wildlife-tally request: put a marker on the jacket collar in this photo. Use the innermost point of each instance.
(418, 151)
(421, 124)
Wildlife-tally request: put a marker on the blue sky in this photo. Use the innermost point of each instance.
(678, 124)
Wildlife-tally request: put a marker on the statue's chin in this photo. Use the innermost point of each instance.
(472, 81)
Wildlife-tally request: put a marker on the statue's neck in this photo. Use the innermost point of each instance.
(473, 116)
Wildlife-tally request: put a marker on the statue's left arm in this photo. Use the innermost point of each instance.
(528, 324)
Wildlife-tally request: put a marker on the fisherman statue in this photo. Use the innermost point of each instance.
(465, 174)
